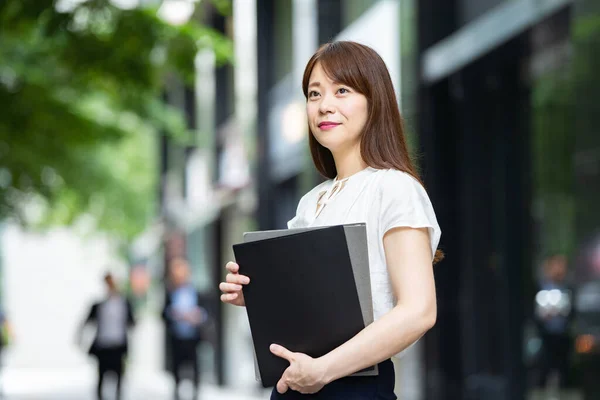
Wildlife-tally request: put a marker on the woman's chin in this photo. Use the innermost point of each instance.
(330, 143)
(337, 147)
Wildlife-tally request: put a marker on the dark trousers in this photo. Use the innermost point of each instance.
(554, 357)
(184, 356)
(380, 387)
(110, 360)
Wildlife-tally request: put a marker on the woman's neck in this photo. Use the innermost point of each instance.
(348, 163)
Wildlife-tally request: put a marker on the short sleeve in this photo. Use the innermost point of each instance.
(405, 203)
(291, 224)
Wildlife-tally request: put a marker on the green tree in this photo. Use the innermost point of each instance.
(81, 107)
(566, 142)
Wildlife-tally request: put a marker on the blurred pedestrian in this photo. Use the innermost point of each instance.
(6, 336)
(112, 317)
(554, 315)
(184, 314)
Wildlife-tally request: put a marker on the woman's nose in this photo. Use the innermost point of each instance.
(326, 106)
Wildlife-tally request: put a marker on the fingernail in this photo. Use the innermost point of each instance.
(273, 347)
(246, 280)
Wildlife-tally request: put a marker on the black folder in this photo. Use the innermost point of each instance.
(303, 292)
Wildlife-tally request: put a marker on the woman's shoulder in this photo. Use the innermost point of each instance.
(399, 188)
(394, 180)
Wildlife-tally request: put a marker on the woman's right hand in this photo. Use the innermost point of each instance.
(232, 287)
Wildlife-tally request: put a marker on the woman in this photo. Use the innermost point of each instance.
(357, 141)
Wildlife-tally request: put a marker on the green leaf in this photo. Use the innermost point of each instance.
(81, 97)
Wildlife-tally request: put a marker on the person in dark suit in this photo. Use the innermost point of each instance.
(554, 317)
(184, 315)
(113, 317)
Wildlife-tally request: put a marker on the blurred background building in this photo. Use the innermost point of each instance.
(509, 134)
(500, 103)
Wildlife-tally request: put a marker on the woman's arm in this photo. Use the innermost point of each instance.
(408, 256)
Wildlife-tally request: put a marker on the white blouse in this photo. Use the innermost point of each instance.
(383, 199)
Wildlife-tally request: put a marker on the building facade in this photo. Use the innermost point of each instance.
(498, 102)
(502, 120)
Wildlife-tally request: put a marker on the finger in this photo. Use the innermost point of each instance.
(238, 279)
(282, 387)
(229, 287)
(226, 298)
(282, 352)
(232, 267)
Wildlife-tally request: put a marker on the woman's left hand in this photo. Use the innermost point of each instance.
(305, 374)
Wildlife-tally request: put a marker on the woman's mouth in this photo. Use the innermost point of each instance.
(327, 125)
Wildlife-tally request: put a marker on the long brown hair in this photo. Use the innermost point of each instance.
(382, 141)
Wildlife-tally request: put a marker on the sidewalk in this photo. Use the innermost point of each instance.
(79, 384)
(64, 372)
(49, 282)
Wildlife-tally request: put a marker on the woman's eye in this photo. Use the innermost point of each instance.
(343, 91)
(313, 93)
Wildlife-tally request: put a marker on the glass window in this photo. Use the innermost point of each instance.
(410, 78)
(566, 194)
(469, 10)
(283, 38)
(352, 9)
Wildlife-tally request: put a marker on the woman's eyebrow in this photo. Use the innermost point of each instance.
(336, 83)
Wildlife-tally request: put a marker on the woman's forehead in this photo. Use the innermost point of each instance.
(319, 77)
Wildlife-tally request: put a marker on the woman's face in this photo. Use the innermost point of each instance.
(336, 112)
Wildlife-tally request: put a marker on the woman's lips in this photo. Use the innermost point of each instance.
(328, 125)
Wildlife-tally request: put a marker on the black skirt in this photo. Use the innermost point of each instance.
(380, 387)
